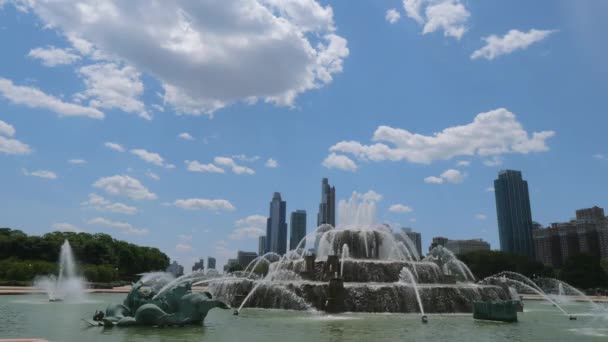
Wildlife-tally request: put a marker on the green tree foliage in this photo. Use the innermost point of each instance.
(583, 271)
(235, 267)
(487, 263)
(103, 258)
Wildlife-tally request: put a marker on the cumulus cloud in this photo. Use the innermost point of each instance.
(338, 161)
(246, 158)
(109, 85)
(183, 248)
(149, 157)
(512, 41)
(400, 208)
(35, 98)
(9, 145)
(392, 16)
(480, 216)
(51, 56)
(65, 227)
(46, 174)
(152, 175)
(250, 227)
(463, 163)
(195, 166)
(229, 162)
(123, 227)
(185, 136)
(204, 203)
(490, 189)
(101, 204)
(490, 134)
(77, 161)
(126, 186)
(114, 146)
(206, 54)
(494, 161)
(451, 176)
(600, 156)
(271, 163)
(450, 16)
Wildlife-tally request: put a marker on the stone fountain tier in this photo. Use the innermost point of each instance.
(366, 270)
(362, 243)
(358, 297)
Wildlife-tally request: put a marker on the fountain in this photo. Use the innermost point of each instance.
(358, 266)
(66, 285)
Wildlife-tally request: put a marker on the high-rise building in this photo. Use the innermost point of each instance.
(210, 263)
(459, 247)
(176, 269)
(327, 207)
(262, 245)
(513, 213)
(415, 237)
(245, 258)
(199, 265)
(298, 229)
(276, 227)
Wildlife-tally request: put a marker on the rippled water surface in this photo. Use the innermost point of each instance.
(29, 316)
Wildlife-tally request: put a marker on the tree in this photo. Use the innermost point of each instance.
(583, 271)
(487, 263)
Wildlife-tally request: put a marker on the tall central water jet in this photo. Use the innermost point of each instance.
(67, 285)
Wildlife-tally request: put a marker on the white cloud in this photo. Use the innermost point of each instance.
(195, 166)
(480, 216)
(338, 161)
(600, 156)
(229, 162)
(400, 208)
(122, 185)
(149, 157)
(77, 161)
(185, 136)
(6, 129)
(65, 227)
(41, 174)
(451, 176)
(183, 248)
(35, 98)
(490, 189)
(152, 175)
(51, 56)
(494, 161)
(203, 203)
(491, 133)
(209, 54)
(512, 41)
(463, 163)
(250, 227)
(271, 163)
(123, 227)
(109, 86)
(433, 180)
(392, 16)
(114, 146)
(243, 157)
(369, 196)
(185, 238)
(101, 204)
(450, 16)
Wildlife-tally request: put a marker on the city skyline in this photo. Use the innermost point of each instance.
(182, 153)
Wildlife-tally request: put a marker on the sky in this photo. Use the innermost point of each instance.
(170, 124)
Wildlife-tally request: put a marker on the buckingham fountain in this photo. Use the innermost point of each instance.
(358, 266)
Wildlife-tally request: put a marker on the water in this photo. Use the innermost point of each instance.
(33, 316)
(406, 276)
(67, 285)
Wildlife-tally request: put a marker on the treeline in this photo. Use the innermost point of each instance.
(101, 258)
(582, 271)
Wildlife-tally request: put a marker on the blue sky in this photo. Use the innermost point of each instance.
(423, 105)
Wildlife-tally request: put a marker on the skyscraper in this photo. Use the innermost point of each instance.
(276, 227)
(513, 213)
(262, 245)
(210, 263)
(298, 229)
(415, 237)
(327, 207)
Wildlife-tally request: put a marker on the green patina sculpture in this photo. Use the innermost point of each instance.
(177, 305)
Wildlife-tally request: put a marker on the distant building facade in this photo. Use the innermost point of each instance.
(229, 264)
(438, 241)
(459, 247)
(245, 258)
(199, 265)
(587, 233)
(262, 245)
(176, 269)
(276, 227)
(513, 213)
(210, 263)
(327, 207)
(297, 230)
(415, 237)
